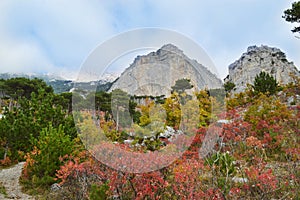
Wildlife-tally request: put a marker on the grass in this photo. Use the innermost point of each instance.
(2, 189)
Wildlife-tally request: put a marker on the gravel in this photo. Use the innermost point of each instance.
(10, 180)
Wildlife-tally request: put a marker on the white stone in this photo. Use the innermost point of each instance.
(224, 121)
(239, 180)
(128, 141)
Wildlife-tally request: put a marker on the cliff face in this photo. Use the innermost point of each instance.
(257, 59)
(154, 74)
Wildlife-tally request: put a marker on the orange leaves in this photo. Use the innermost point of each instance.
(268, 180)
(252, 172)
(253, 142)
(148, 185)
(186, 183)
(262, 178)
(64, 172)
(73, 168)
(6, 161)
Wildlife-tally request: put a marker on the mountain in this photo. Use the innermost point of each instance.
(58, 83)
(154, 74)
(45, 77)
(61, 85)
(256, 59)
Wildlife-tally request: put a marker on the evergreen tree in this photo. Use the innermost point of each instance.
(23, 87)
(181, 85)
(265, 83)
(103, 101)
(51, 145)
(135, 115)
(292, 15)
(228, 86)
(29, 118)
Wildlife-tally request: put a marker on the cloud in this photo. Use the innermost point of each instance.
(223, 28)
(57, 35)
(50, 34)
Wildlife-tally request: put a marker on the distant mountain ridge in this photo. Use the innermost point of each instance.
(46, 77)
(155, 73)
(60, 85)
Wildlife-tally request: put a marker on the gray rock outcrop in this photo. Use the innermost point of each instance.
(257, 59)
(154, 74)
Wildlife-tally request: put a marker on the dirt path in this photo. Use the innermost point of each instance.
(10, 180)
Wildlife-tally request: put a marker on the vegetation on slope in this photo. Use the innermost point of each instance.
(256, 154)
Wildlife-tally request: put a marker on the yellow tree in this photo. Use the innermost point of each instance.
(205, 107)
(145, 111)
(190, 116)
(173, 110)
(152, 121)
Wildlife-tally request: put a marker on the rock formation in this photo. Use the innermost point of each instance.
(257, 59)
(154, 74)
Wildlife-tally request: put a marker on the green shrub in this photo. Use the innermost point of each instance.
(265, 83)
(99, 192)
(29, 117)
(222, 165)
(228, 86)
(44, 160)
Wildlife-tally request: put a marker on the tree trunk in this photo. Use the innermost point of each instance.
(5, 152)
(117, 121)
(10, 107)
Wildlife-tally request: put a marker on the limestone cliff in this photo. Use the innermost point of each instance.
(154, 74)
(257, 59)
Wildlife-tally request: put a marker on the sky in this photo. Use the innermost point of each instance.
(56, 36)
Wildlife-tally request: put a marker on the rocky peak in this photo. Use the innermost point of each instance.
(269, 59)
(154, 74)
(170, 48)
(262, 48)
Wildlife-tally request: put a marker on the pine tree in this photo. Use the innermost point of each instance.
(292, 15)
(228, 86)
(181, 85)
(265, 83)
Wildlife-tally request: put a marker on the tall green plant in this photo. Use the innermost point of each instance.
(44, 160)
(292, 15)
(228, 86)
(265, 83)
(29, 118)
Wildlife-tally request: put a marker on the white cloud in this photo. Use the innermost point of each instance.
(223, 28)
(50, 34)
(57, 35)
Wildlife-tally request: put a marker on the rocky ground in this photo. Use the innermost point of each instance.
(9, 178)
